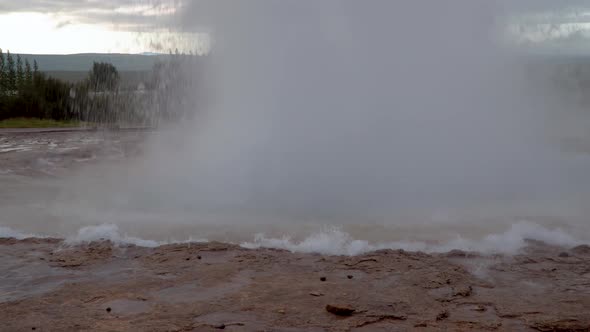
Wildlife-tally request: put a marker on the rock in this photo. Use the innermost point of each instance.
(199, 257)
(582, 250)
(282, 311)
(443, 315)
(456, 253)
(480, 308)
(109, 309)
(339, 310)
(316, 294)
(350, 276)
(463, 291)
(560, 325)
(323, 279)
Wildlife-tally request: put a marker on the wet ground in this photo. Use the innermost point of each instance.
(47, 286)
(50, 285)
(50, 152)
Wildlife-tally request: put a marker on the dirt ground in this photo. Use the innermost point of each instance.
(48, 286)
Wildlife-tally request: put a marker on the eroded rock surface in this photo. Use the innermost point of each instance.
(48, 286)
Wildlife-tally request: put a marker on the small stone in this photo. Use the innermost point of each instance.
(282, 311)
(582, 250)
(220, 327)
(323, 279)
(442, 316)
(316, 294)
(422, 324)
(340, 310)
(188, 258)
(109, 309)
(564, 254)
(350, 276)
(199, 257)
(463, 291)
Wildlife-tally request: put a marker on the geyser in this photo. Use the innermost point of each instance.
(402, 114)
(350, 110)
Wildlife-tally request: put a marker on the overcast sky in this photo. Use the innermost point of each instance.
(84, 26)
(135, 26)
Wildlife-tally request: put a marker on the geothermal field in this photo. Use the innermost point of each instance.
(331, 165)
(79, 265)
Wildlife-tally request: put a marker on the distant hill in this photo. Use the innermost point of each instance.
(83, 62)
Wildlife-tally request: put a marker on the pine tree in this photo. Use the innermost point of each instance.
(20, 72)
(10, 72)
(28, 73)
(35, 67)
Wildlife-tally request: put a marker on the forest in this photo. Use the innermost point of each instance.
(101, 98)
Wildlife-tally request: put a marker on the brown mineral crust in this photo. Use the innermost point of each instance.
(48, 285)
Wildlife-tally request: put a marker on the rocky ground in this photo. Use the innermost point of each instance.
(46, 285)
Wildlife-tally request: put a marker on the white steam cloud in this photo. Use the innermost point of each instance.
(349, 112)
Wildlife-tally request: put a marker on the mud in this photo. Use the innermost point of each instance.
(49, 286)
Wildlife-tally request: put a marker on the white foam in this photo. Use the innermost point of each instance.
(111, 232)
(6, 232)
(108, 232)
(333, 241)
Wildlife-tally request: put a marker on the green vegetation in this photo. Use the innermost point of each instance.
(102, 95)
(27, 93)
(103, 77)
(38, 123)
(128, 79)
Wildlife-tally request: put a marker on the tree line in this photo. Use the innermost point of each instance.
(15, 75)
(168, 94)
(27, 92)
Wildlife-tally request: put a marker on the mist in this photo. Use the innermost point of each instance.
(400, 113)
(341, 109)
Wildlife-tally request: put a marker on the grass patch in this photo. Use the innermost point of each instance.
(38, 123)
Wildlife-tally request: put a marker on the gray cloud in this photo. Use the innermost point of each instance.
(155, 14)
(126, 14)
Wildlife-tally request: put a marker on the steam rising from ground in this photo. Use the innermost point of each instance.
(343, 109)
(375, 115)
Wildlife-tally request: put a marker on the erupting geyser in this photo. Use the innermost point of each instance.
(353, 111)
(401, 120)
